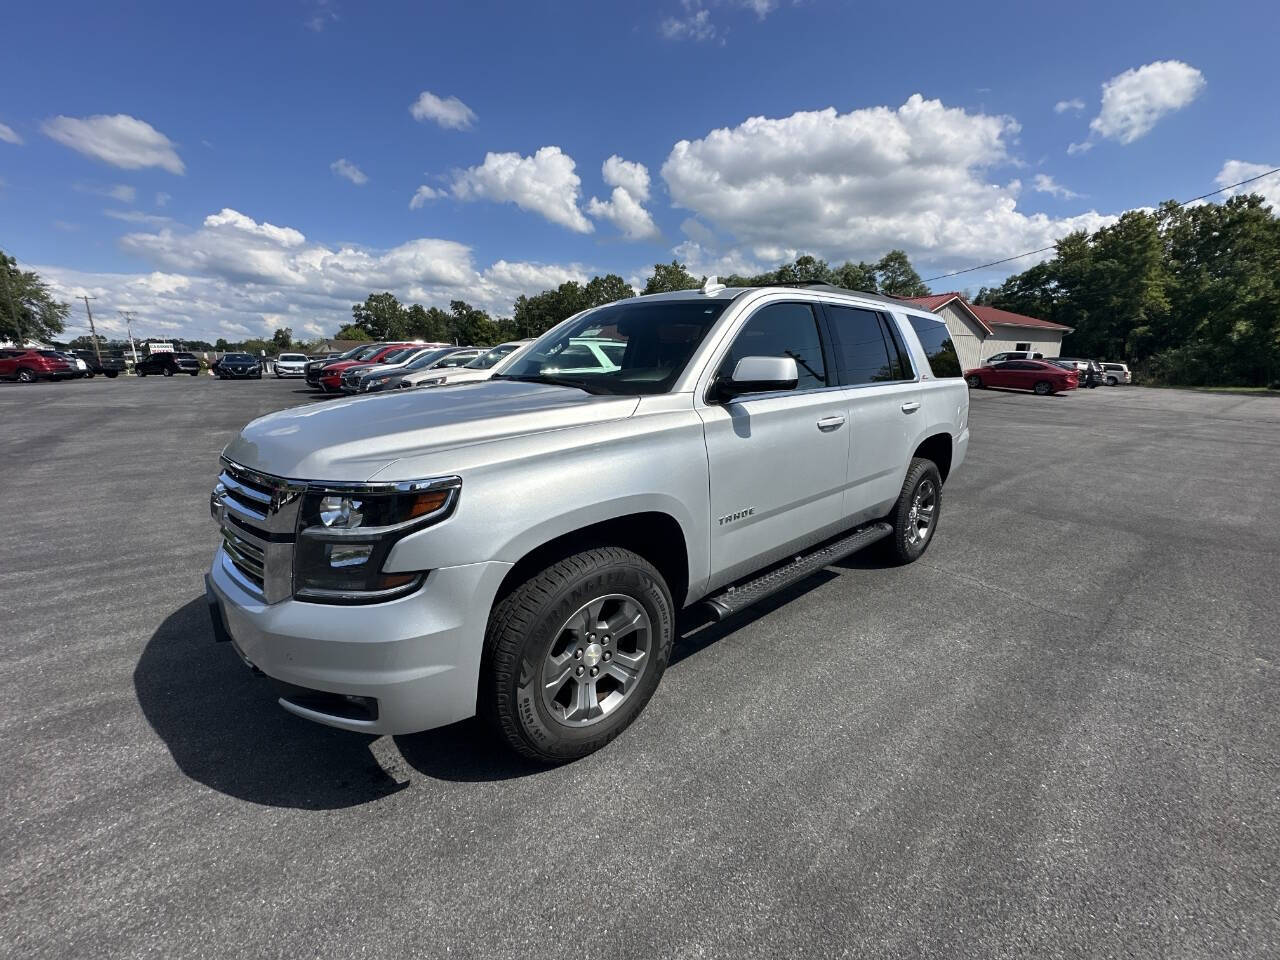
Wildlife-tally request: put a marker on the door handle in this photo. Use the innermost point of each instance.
(911, 406)
(831, 423)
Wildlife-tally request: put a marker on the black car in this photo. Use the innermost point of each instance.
(1091, 373)
(167, 364)
(108, 366)
(237, 366)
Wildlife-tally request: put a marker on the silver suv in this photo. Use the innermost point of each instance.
(521, 547)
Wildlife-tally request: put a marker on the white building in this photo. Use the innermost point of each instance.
(980, 332)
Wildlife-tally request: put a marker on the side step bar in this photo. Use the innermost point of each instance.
(745, 594)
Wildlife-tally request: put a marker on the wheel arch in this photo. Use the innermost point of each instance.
(938, 448)
(653, 534)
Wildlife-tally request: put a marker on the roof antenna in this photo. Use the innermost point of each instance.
(712, 286)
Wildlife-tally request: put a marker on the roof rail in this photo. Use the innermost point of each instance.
(832, 288)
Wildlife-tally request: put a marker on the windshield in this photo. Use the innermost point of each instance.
(426, 359)
(186, 356)
(625, 348)
(236, 356)
(291, 357)
(364, 353)
(397, 355)
(491, 357)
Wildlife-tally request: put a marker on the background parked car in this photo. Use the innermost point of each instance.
(28, 366)
(331, 373)
(1039, 376)
(291, 365)
(396, 360)
(481, 368)
(167, 364)
(439, 359)
(238, 366)
(1014, 355)
(1116, 373)
(108, 365)
(316, 364)
(78, 367)
(1090, 371)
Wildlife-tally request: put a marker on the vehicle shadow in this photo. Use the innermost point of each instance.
(224, 728)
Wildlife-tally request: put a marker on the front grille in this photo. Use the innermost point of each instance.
(247, 557)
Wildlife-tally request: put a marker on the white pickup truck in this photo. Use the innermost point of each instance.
(521, 547)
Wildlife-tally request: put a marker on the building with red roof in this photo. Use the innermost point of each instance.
(980, 332)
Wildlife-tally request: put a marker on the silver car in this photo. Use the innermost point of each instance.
(521, 547)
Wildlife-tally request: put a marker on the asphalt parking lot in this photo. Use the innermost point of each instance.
(1056, 735)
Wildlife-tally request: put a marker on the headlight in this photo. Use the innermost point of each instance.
(345, 535)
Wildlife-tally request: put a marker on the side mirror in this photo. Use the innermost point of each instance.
(759, 375)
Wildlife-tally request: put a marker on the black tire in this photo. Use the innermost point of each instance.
(1112, 382)
(902, 547)
(1043, 388)
(527, 622)
(111, 374)
(140, 373)
(974, 381)
(89, 375)
(26, 376)
(168, 372)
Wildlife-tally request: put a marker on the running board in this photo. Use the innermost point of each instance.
(745, 594)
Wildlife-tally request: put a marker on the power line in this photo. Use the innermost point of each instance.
(1029, 253)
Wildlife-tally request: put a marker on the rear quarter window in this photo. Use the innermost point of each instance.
(935, 338)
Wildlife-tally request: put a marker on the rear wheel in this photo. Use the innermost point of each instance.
(168, 372)
(1044, 388)
(1112, 382)
(974, 381)
(89, 375)
(26, 376)
(141, 373)
(574, 653)
(915, 515)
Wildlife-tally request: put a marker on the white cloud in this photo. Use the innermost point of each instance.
(422, 195)
(696, 231)
(234, 275)
(695, 25)
(860, 183)
(1075, 105)
(1046, 184)
(120, 140)
(9, 135)
(632, 177)
(1133, 101)
(123, 193)
(323, 13)
(136, 216)
(1233, 171)
(449, 112)
(162, 198)
(343, 167)
(1083, 147)
(544, 183)
(624, 208)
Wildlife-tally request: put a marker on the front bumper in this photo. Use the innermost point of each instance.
(244, 374)
(290, 371)
(417, 656)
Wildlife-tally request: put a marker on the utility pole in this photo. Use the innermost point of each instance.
(92, 332)
(13, 310)
(128, 319)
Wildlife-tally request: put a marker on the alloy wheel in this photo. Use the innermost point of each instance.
(924, 510)
(596, 660)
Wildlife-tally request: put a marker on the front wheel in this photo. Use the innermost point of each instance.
(1044, 388)
(26, 376)
(168, 372)
(141, 373)
(974, 381)
(573, 654)
(915, 515)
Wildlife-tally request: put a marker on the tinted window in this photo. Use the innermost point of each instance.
(781, 330)
(938, 346)
(899, 359)
(456, 361)
(860, 346)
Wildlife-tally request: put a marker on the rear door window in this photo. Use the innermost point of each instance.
(860, 347)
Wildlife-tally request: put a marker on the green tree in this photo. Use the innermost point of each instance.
(897, 277)
(432, 324)
(537, 314)
(352, 332)
(28, 309)
(856, 276)
(472, 326)
(283, 338)
(381, 316)
(668, 277)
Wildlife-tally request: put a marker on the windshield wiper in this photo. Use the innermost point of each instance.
(555, 382)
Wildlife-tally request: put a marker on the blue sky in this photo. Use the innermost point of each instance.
(188, 163)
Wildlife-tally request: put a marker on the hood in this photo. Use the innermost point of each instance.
(353, 439)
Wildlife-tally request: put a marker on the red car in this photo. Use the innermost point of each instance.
(331, 373)
(1038, 375)
(28, 366)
